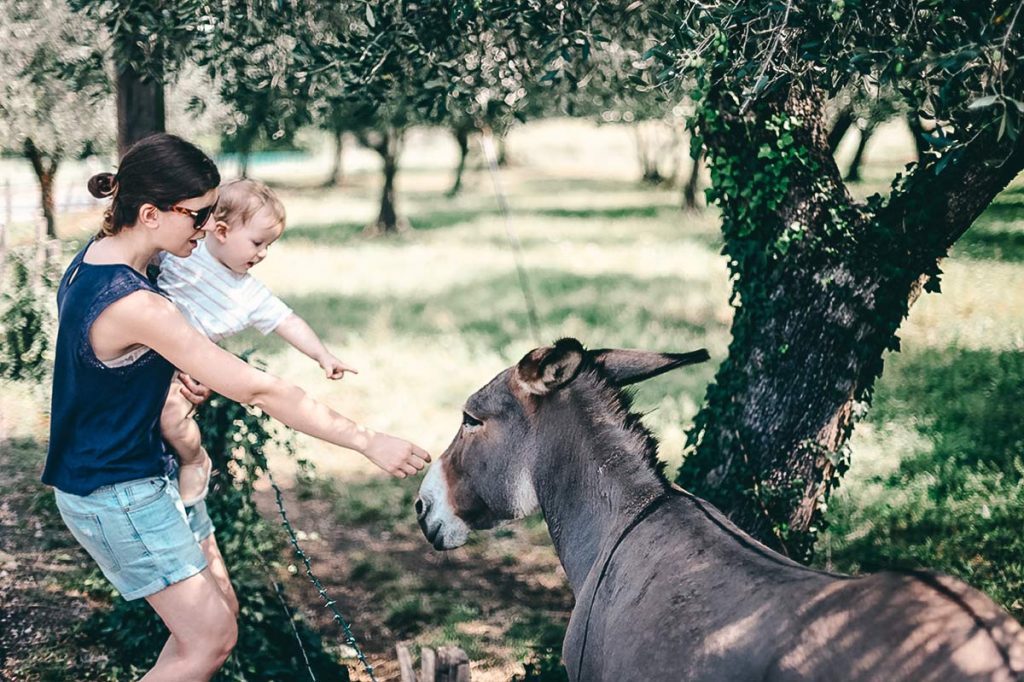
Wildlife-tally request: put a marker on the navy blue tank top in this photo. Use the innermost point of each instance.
(104, 421)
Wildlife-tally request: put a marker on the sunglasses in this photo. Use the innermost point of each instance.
(199, 217)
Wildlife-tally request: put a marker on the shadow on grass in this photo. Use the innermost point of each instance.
(346, 232)
(991, 245)
(957, 506)
(492, 311)
(435, 598)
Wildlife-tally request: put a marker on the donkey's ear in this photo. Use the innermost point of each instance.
(626, 367)
(543, 370)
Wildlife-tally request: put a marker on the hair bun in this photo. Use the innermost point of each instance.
(102, 185)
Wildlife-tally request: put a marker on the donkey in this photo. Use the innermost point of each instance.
(666, 587)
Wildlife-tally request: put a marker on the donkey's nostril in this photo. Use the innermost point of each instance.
(419, 507)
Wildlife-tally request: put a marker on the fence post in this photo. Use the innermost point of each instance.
(428, 664)
(452, 665)
(449, 664)
(407, 672)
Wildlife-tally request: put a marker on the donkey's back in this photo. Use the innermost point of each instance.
(688, 596)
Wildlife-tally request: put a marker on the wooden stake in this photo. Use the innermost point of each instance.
(408, 673)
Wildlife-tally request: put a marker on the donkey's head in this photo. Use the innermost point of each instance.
(485, 475)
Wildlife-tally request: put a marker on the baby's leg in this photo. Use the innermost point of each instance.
(178, 427)
(181, 432)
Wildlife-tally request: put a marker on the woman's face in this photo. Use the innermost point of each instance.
(179, 234)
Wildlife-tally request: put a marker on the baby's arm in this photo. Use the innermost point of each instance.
(299, 334)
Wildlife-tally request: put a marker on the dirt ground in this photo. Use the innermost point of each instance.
(497, 598)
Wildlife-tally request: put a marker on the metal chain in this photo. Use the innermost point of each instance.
(288, 614)
(350, 638)
(487, 144)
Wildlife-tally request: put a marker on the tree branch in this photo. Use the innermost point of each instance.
(934, 209)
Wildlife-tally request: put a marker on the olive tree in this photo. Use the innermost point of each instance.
(55, 96)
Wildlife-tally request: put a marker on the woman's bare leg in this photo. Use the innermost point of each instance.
(219, 571)
(203, 629)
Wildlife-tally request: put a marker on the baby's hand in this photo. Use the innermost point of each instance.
(398, 457)
(335, 368)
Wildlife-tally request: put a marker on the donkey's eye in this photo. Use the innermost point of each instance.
(469, 421)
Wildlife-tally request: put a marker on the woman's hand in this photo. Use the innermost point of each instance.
(398, 457)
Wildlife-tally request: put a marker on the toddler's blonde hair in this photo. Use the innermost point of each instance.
(241, 199)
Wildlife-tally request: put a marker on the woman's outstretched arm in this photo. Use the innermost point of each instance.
(149, 319)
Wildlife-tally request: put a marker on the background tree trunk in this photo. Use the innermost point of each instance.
(140, 106)
(503, 156)
(821, 286)
(336, 177)
(690, 202)
(461, 133)
(244, 155)
(917, 131)
(839, 127)
(46, 174)
(853, 173)
(388, 143)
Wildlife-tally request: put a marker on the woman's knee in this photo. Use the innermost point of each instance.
(218, 641)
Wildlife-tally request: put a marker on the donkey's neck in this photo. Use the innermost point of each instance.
(593, 478)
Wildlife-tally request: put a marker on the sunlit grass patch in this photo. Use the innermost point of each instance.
(938, 477)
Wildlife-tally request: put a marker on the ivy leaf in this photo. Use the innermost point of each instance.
(983, 102)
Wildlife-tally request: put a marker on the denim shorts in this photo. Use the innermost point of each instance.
(139, 533)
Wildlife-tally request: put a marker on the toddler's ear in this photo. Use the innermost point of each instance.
(220, 231)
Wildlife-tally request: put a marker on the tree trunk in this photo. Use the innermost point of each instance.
(46, 174)
(842, 123)
(853, 174)
(917, 131)
(503, 156)
(243, 162)
(462, 139)
(821, 285)
(649, 173)
(336, 177)
(690, 202)
(387, 143)
(140, 106)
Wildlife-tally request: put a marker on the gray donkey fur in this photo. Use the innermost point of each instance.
(666, 587)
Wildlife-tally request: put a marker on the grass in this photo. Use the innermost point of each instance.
(430, 316)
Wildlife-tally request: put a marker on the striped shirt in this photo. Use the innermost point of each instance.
(215, 300)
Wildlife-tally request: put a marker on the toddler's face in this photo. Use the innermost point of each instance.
(240, 247)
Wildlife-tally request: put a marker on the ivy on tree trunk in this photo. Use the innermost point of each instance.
(821, 285)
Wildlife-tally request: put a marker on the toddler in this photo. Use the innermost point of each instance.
(218, 296)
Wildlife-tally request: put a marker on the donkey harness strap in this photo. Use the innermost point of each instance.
(651, 507)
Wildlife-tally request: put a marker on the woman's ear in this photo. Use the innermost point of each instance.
(149, 216)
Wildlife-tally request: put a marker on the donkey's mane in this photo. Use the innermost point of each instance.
(619, 402)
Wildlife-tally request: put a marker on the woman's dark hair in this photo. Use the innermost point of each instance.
(162, 170)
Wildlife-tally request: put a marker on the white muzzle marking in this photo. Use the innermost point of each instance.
(443, 527)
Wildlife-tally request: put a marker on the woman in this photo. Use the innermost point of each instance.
(119, 343)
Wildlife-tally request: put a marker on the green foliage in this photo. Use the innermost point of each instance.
(236, 437)
(544, 662)
(26, 319)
